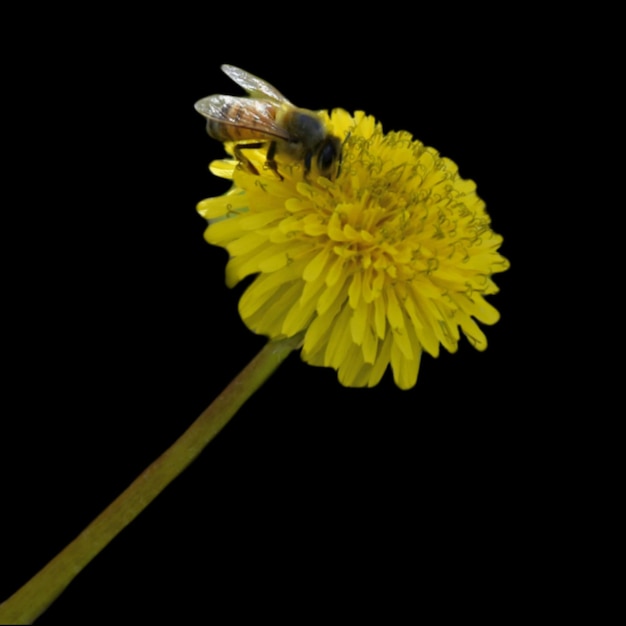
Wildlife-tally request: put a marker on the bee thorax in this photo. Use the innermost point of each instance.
(305, 128)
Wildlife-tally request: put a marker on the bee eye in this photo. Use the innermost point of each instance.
(327, 155)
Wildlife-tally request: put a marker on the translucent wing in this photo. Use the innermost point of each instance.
(254, 85)
(256, 117)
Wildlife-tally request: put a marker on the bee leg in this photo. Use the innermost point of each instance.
(307, 164)
(270, 162)
(243, 160)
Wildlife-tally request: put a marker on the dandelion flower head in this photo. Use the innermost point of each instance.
(390, 259)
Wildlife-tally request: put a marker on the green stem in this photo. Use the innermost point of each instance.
(31, 600)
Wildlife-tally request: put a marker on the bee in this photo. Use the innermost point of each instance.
(267, 118)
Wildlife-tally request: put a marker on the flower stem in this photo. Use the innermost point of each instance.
(31, 600)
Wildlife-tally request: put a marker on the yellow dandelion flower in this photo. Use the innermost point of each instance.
(390, 259)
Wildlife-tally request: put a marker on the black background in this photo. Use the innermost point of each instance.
(119, 330)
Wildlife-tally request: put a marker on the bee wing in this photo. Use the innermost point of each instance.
(258, 116)
(254, 85)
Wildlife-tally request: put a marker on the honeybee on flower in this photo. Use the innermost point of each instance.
(267, 117)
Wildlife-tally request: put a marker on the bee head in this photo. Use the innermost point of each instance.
(310, 138)
(328, 155)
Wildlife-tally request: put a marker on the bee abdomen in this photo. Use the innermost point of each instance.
(233, 123)
(219, 130)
